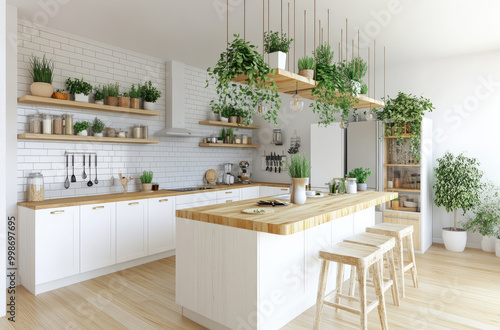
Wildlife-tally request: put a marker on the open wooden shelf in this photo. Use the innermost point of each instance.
(404, 136)
(78, 138)
(227, 145)
(404, 209)
(223, 124)
(84, 105)
(403, 165)
(288, 82)
(402, 189)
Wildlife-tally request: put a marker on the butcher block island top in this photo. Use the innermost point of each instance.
(287, 220)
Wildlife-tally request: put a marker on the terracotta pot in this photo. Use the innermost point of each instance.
(112, 101)
(233, 119)
(60, 96)
(309, 74)
(147, 186)
(41, 89)
(239, 120)
(134, 103)
(124, 102)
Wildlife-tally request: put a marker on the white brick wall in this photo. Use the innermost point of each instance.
(175, 161)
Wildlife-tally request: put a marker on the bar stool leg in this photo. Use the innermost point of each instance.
(352, 281)
(340, 280)
(377, 280)
(394, 277)
(321, 292)
(399, 251)
(414, 274)
(362, 296)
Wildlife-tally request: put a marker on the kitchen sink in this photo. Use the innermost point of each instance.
(190, 189)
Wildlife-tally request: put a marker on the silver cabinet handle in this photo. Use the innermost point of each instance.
(97, 207)
(163, 200)
(57, 212)
(134, 203)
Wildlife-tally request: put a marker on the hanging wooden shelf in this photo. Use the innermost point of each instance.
(404, 136)
(78, 138)
(227, 145)
(403, 165)
(84, 105)
(224, 124)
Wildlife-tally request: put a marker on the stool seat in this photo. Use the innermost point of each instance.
(390, 229)
(383, 242)
(351, 254)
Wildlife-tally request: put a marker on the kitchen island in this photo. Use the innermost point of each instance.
(260, 271)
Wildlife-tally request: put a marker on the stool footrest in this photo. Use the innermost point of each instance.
(408, 266)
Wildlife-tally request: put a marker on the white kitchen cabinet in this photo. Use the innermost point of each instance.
(249, 193)
(265, 191)
(56, 244)
(281, 190)
(131, 230)
(228, 200)
(229, 193)
(161, 224)
(97, 236)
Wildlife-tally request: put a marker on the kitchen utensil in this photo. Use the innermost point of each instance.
(258, 211)
(244, 174)
(96, 181)
(73, 177)
(211, 176)
(267, 162)
(66, 182)
(84, 175)
(90, 184)
(275, 163)
(273, 202)
(280, 163)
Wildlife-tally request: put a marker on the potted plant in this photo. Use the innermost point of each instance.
(277, 47)
(150, 95)
(233, 114)
(225, 113)
(42, 72)
(146, 180)
(242, 115)
(60, 95)
(486, 219)
(79, 88)
(112, 91)
(98, 127)
(124, 100)
(229, 136)
(135, 95)
(364, 89)
(458, 186)
(81, 128)
(355, 71)
(361, 175)
(99, 95)
(306, 67)
(299, 169)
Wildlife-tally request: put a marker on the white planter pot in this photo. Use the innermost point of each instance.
(277, 60)
(83, 133)
(362, 186)
(298, 193)
(497, 247)
(98, 134)
(101, 102)
(223, 119)
(81, 98)
(149, 105)
(488, 244)
(454, 240)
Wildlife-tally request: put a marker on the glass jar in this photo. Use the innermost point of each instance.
(35, 124)
(68, 124)
(110, 132)
(244, 139)
(332, 187)
(237, 138)
(145, 132)
(342, 188)
(277, 137)
(137, 132)
(58, 124)
(35, 187)
(122, 134)
(47, 124)
(352, 187)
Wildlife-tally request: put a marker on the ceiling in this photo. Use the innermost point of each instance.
(194, 31)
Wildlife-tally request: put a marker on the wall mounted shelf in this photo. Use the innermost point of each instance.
(78, 138)
(83, 105)
(402, 189)
(223, 124)
(226, 145)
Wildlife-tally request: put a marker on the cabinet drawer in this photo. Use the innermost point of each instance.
(281, 190)
(228, 200)
(249, 193)
(228, 193)
(196, 197)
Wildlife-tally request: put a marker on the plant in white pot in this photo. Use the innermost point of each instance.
(99, 95)
(458, 186)
(81, 128)
(361, 175)
(299, 169)
(146, 180)
(277, 47)
(486, 217)
(98, 127)
(150, 95)
(42, 74)
(79, 88)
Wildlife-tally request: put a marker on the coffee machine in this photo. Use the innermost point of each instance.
(244, 174)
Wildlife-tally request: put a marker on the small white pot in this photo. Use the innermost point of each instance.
(83, 133)
(488, 244)
(362, 186)
(81, 98)
(223, 119)
(497, 247)
(98, 134)
(454, 240)
(149, 105)
(101, 102)
(277, 60)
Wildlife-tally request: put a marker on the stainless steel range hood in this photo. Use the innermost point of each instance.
(175, 119)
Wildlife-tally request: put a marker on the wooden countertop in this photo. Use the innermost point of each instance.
(121, 197)
(287, 220)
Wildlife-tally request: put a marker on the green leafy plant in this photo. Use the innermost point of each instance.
(135, 93)
(223, 134)
(42, 70)
(361, 174)
(323, 54)
(364, 88)
(356, 69)
(306, 63)
(299, 167)
(242, 58)
(230, 133)
(458, 184)
(149, 93)
(124, 94)
(81, 126)
(275, 43)
(99, 93)
(78, 86)
(147, 177)
(97, 125)
(112, 90)
(486, 219)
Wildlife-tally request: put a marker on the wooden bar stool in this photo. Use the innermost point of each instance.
(400, 233)
(362, 257)
(386, 244)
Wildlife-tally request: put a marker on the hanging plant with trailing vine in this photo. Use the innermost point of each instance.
(241, 57)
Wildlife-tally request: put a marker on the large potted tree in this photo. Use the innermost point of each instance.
(458, 186)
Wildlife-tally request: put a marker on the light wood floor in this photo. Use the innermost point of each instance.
(457, 291)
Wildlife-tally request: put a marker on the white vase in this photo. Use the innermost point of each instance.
(100, 102)
(497, 247)
(81, 97)
(223, 119)
(488, 244)
(83, 133)
(149, 105)
(454, 240)
(298, 193)
(277, 60)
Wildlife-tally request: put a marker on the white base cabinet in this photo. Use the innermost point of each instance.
(161, 224)
(131, 230)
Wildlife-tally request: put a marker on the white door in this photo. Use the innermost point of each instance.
(57, 243)
(131, 230)
(327, 154)
(161, 224)
(97, 236)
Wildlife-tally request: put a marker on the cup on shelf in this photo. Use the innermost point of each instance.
(390, 184)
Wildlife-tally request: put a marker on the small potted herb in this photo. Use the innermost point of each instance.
(225, 113)
(112, 91)
(242, 114)
(299, 169)
(81, 128)
(277, 47)
(99, 95)
(124, 100)
(364, 89)
(135, 95)
(60, 95)
(361, 175)
(230, 136)
(79, 88)
(233, 115)
(98, 127)
(150, 95)
(42, 72)
(146, 180)
(306, 67)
